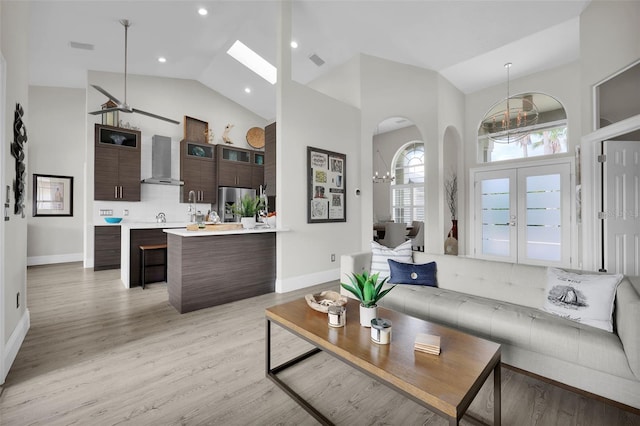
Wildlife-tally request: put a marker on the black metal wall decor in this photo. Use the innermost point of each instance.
(17, 150)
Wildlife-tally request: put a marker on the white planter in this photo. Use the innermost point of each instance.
(248, 222)
(367, 314)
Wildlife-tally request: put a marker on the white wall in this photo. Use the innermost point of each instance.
(389, 89)
(310, 118)
(168, 97)
(14, 29)
(57, 147)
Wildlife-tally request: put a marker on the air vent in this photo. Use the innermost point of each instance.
(316, 60)
(83, 46)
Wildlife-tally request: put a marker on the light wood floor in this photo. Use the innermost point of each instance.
(98, 354)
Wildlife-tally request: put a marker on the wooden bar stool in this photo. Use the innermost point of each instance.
(143, 264)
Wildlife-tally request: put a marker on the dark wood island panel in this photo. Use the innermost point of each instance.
(206, 271)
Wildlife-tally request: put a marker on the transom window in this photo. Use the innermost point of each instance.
(407, 190)
(547, 135)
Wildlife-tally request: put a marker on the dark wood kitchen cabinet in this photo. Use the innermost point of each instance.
(240, 168)
(106, 251)
(198, 171)
(116, 164)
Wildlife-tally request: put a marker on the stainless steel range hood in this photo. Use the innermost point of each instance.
(161, 162)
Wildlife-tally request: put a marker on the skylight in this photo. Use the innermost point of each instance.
(256, 63)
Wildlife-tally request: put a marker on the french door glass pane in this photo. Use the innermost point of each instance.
(495, 217)
(544, 217)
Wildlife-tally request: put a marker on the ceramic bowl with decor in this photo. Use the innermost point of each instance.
(113, 219)
(322, 301)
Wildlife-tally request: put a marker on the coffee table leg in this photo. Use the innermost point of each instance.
(272, 375)
(497, 396)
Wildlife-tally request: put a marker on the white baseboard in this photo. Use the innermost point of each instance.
(54, 258)
(304, 281)
(15, 342)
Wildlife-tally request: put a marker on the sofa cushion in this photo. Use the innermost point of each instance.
(413, 273)
(509, 282)
(515, 325)
(585, 298)
(381, 254)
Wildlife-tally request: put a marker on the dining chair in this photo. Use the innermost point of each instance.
(394, 234)
(417, 242)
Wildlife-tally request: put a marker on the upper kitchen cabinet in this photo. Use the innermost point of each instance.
(116, 164)
(270, 159)
(198, 171)
(239, 167)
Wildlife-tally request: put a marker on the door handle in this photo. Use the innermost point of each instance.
(115, 192)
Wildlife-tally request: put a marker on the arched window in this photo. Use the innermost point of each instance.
(529, 125)
(407, 190)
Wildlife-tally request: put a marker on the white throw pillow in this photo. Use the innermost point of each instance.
(587, 299)
(381, 254)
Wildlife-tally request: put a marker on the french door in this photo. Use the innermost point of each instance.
(522, 214)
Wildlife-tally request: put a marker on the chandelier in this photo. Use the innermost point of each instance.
(386, 177)
(511, 119)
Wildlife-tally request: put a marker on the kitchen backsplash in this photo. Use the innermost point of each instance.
(154, 199)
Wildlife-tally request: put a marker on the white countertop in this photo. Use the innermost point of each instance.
(153, 225)
(258, 230)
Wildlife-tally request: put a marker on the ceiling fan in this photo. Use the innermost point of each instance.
(123, 106)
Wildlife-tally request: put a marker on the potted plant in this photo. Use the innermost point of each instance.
(247, 208)
(368, 290)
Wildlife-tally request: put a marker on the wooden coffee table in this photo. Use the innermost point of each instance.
(445, 383)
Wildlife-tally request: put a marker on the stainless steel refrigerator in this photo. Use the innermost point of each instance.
(227, 197)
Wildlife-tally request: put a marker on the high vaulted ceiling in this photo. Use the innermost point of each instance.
(468, 42)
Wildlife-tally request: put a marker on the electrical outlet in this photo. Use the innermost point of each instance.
(17, 300)
(333, 257)
(125, 212)
(106, 212)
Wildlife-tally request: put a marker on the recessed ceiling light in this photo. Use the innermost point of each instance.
(202, 11)
(162, 59)
(256, 63)
(294, 44)
(247, 90)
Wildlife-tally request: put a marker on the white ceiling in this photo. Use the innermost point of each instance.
(468, 42)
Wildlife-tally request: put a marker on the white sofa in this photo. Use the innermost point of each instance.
(502, 302)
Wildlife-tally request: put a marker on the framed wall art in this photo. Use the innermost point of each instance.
(326, 186)
(52, 195)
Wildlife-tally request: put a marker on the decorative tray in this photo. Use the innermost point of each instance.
(321, 301)
(215, 227)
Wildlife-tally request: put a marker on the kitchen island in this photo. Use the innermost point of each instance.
(209, 268)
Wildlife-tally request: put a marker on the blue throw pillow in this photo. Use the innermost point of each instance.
(413, 273)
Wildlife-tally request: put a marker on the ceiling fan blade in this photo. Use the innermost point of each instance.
(159, 117)
(104, 111)
(107, 94)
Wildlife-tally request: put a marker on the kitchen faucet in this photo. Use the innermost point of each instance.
(191, 211)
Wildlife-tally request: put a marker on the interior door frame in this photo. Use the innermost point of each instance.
(591, 247)
(6, 211)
